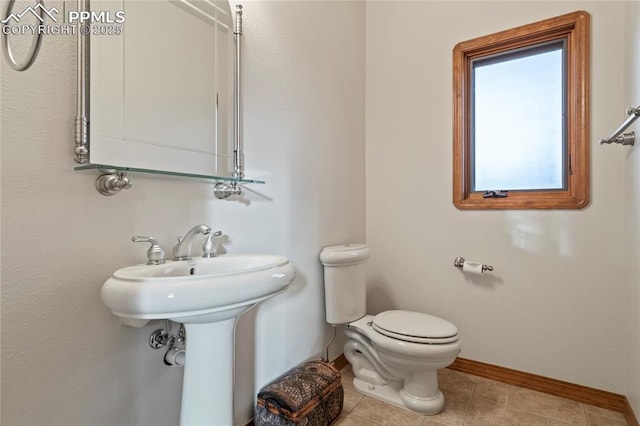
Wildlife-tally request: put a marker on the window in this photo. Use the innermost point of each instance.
(521, 117)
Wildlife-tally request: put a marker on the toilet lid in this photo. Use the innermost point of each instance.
(415, 327)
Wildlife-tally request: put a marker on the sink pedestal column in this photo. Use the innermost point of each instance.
(207, 387)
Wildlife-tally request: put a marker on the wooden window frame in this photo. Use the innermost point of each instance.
(575, 29)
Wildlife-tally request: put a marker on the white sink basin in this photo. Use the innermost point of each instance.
(202, 290)
(207, 295)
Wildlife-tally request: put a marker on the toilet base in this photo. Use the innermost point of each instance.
(393, 394)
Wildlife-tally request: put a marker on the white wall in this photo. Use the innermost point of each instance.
(65, 359)
(304, 133)
(555, 305)
(631, 198)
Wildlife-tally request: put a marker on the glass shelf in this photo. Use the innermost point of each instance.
(107, 167)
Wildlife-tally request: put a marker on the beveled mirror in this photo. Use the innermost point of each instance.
(161, 92)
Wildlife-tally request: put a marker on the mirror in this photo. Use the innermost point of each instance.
(161, 92)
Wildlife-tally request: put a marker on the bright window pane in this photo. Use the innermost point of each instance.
(518, 141)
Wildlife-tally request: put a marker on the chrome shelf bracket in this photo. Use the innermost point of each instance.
(226, 190)
(112, 182)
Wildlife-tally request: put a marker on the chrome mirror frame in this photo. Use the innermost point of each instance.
(221, 190)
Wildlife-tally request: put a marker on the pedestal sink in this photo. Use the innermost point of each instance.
(207, 295)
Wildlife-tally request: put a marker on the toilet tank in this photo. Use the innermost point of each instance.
(345, 288)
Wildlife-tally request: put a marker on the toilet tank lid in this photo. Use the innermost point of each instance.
(344, 254)
(414, 324)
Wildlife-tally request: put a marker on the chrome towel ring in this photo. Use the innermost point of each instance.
(35, 44)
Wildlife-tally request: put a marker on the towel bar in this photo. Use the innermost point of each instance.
(624, 138)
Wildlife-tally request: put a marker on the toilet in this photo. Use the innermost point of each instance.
(395, 355)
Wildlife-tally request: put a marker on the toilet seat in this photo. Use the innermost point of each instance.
(415, 327)
(403, 346)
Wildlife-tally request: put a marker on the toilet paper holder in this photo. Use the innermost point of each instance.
(458, 262)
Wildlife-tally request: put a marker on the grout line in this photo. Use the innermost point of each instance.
(367, 419)
(606, 414)
(357, 403)
(584, 413)
(468, 409)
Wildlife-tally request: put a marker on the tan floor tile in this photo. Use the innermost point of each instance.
(604, 412)
(461, 382)
(347, 371)
(456, 403)
(494, 403)
(490, 389)
(487, 412)
(352, 420)
(596, 420)
(550, 406)
(385, 414)
(347, 384)
(350, 400)
(442, 373)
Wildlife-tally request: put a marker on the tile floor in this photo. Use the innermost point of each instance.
(476, 401)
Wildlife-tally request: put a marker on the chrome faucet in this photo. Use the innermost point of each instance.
(182, 250)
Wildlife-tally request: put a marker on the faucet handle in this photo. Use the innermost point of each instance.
(175, 248)
(155, 254)
(209, 247)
